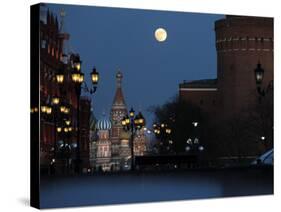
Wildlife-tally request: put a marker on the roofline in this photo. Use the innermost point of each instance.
(198, 89)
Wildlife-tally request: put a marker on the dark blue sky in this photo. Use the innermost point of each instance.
(114, 38)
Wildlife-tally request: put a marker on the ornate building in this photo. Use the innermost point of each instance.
(110, 145)
(103, 145)
(125, 151)
(93, 141)
(54, 58)
(118, 111)
(140, 143)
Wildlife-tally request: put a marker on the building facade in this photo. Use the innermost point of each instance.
(85, 111)
(103, 160)
(51, 51)
(117, 113)
(110, 147)
(55, 135)
(140, 143)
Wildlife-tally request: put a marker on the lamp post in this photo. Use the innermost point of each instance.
(193, 145)
(46, 112)
(259, 76)
(265, 109)
(55, 103)
(64, 129)
(67, 130)
(133, 123)
(77, 78)
(163, 131)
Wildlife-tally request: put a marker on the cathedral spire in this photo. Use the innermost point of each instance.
(119, 100)
(119, 77)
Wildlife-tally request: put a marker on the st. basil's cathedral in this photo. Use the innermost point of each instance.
(110, 148)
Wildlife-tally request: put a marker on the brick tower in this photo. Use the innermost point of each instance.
(242, 42)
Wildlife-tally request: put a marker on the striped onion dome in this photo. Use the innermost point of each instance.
(103, 124)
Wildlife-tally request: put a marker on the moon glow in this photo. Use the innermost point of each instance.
(160, 34)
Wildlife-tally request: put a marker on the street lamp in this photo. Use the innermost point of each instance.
(64, 148)
(44, 108)
(163, 132)
(59, 129)
(192, 143)
(259, 73)
(55, 100)
(133, 123)
(48, 110)
(132, 112)
(77, 78)
(67, 122)
(76, 62)
(95, 79)
(259, 76)
(195, 123)
(56, 108)
(59, 76)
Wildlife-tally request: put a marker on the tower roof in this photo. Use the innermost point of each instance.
(103, 124)
(119, 100)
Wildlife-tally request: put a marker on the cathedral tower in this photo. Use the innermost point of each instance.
(118, 111)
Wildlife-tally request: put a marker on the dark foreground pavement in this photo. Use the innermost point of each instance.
(118, 188)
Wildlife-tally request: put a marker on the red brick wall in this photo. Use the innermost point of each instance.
(206, 100)
(242, 42)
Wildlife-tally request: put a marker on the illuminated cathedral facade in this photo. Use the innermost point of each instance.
(110, 148)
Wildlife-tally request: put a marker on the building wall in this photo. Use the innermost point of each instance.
(206, 99)
(241, 43)
(85, 111)
(103, 155)
(52, 42)
(50, 50)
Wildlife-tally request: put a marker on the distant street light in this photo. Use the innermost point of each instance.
(193, 143)
(133, 123)
(195, 123)
(163, 132)
(200, 148)
(187, 148)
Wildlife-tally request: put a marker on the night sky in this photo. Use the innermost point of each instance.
(114, 38)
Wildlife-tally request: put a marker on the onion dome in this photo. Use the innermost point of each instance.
(103, 124)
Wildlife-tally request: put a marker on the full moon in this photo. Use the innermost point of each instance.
(160, 34)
